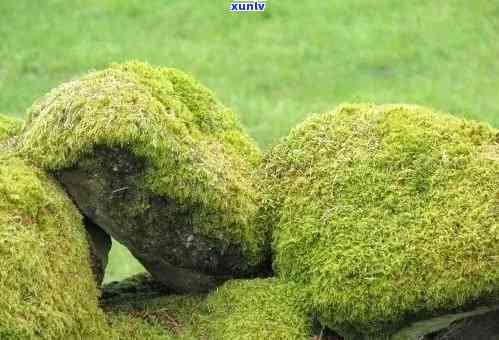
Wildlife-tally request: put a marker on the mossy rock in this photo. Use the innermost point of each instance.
(385, 215)
(151, 156)
(99, 241)
(48, 290)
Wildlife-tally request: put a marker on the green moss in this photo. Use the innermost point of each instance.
(139, 309)
(385, 213)
(252, 309)
(8, 127)
(195, 149)
(167, 317)
(47, 287)
(240, 309)
(137, 327)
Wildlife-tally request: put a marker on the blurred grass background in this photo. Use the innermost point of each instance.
(272, 68)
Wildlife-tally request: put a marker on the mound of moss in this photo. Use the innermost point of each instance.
(137, 326)
(252, 309)
(385, 214)
(100, 242)
(240, 309)
(47, 288)
(151, 156)
(142, 308)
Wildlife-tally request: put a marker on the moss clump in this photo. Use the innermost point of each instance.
(240, 309)
(195, 150)
(385, 213)
(167, 317)
(47, 287)
(141, 308)
(136, 327)
(9, 127)
(252, 309)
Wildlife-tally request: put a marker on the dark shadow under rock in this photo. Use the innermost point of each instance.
(480, 323)
(136, 288)
(100, 246)
(108, 188)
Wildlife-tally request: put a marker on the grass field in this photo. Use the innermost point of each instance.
(274, 67)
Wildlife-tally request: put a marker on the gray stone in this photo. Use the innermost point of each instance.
(480, 327)
(107, 187)
(480, 323)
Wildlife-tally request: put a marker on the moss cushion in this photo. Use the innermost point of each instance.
(385, 214)
(47, 287)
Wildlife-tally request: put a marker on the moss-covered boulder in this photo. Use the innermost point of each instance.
(385, 214)
(150, 156)
(47, 288)
(99, 241)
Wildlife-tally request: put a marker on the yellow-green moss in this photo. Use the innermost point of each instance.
(9, 127)
(384, 213)
(47, 289)
(240, 309)
(135, 310)
(136, 327)
(195, 149)
(252, 309)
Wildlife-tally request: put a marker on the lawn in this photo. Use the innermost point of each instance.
(272, 68)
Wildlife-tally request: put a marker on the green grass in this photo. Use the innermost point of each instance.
(272, 68)
(121, 264)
